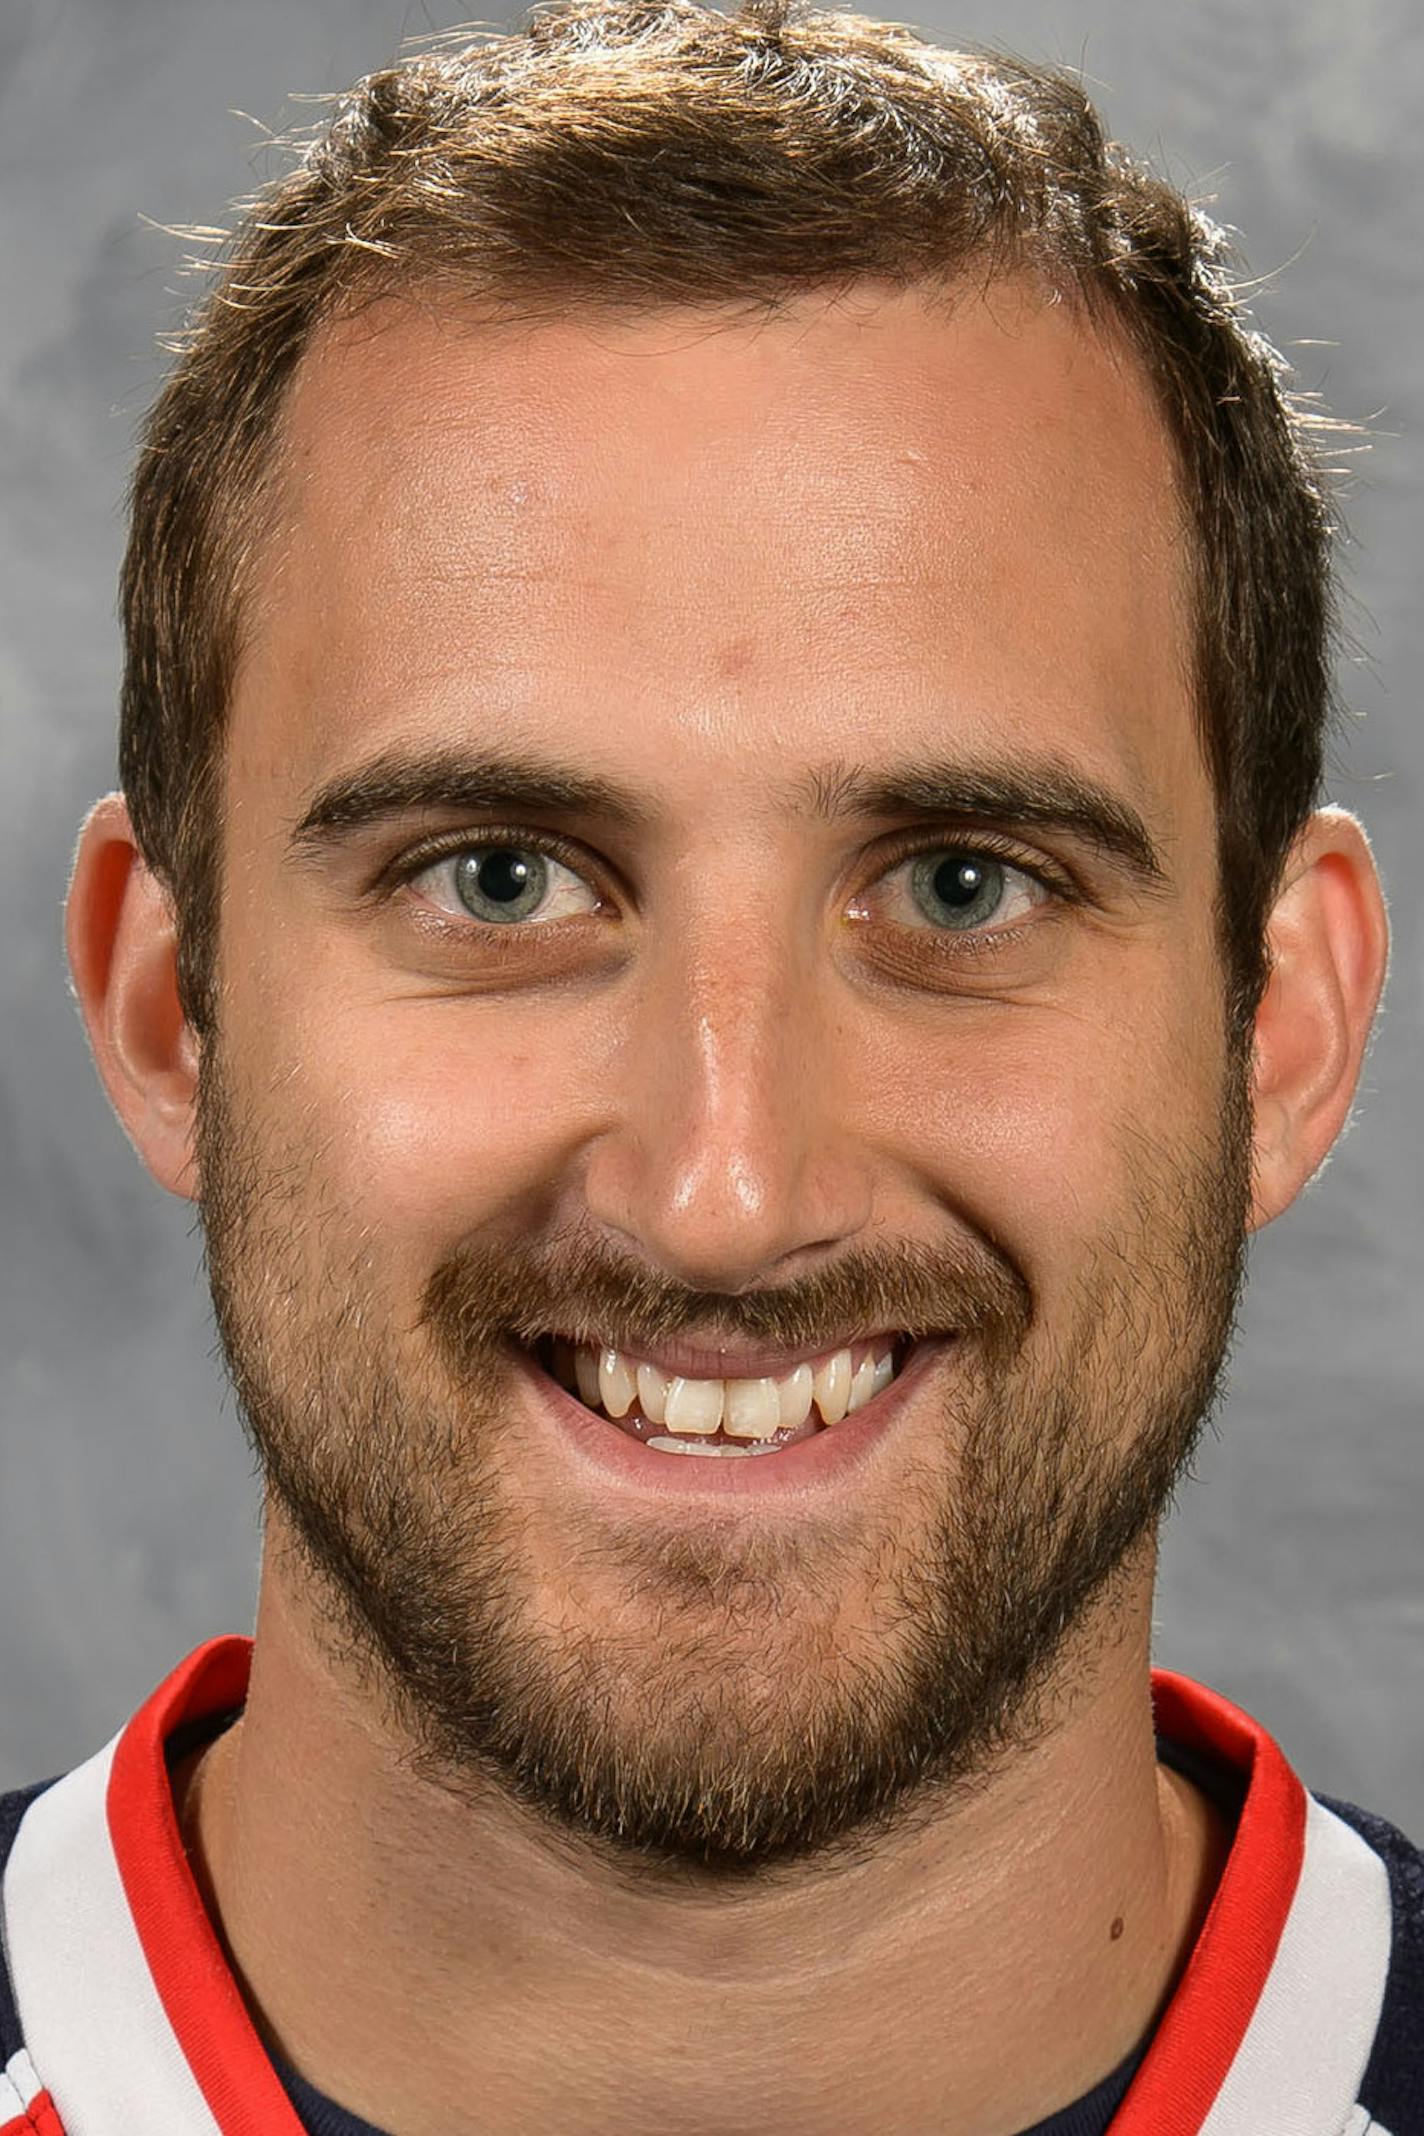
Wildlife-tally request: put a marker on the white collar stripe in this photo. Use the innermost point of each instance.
(89, 2010)
(1298, 2069)
(126, 2003)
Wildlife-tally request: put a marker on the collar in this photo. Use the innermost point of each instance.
(132, 2018)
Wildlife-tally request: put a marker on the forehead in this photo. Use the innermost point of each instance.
(708, 542)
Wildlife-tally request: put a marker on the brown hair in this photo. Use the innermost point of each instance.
(638, 153)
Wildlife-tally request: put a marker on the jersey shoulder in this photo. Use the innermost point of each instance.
(1392, 2089)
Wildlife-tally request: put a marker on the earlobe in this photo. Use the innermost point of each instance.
(122, 944)
(1329, 944)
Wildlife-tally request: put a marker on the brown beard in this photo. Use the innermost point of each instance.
(768, 1691)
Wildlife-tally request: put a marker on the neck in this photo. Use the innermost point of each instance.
(436, 1963)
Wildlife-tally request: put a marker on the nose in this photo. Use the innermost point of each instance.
(730, 1152)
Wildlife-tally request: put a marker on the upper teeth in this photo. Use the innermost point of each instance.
(741, 1408)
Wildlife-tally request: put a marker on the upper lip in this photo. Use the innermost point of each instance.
(733, 1361)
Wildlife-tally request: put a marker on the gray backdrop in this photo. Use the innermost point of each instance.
(127, 1509)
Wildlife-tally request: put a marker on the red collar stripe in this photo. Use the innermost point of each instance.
(1272, 2022)
(200, 1997)
(92, 2022)
(126, 2003)
(1299, 2067)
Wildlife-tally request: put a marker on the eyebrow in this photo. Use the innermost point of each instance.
(1040, 793)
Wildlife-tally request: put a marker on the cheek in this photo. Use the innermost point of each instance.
(443, 1116)
(424, 1118)
(1016, 1133)
(1050, 1129)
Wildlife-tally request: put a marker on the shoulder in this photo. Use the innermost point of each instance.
(1392, 2089)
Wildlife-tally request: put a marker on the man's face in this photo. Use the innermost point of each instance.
(725, 1049)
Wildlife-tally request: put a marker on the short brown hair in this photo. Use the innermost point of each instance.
(641, 153)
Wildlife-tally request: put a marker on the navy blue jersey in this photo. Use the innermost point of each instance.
(1299, 2013)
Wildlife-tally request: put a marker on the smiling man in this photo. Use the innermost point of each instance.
(720, 896)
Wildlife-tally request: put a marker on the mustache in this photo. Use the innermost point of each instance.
(486, 1293)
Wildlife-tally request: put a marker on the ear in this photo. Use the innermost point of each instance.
(1329, 944)
(122, 943)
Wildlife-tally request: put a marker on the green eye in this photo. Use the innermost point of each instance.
(959, 890)
(502, 883)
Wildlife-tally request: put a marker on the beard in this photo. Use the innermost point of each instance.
(723, 1696)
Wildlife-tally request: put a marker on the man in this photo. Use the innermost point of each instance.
(720, 897)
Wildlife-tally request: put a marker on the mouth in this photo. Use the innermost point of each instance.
(729, 1418)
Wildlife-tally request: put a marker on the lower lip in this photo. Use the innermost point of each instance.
(613, 1457)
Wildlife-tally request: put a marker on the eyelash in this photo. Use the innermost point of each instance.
(976, 845)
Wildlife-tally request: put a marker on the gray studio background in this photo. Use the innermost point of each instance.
(1294, 1570)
